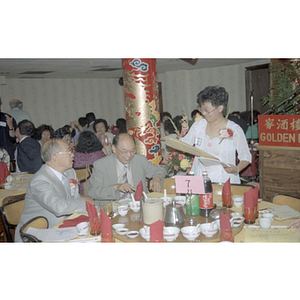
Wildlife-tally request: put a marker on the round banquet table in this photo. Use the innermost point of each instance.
(132, 222)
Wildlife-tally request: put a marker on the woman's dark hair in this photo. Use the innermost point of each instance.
(97, 121)
(215, 95)
(177, 121)
(88, 142)
(165, 114)
(72, 132)
(120, 122)
(41, 129)
(83, 121)
(169, 127)
(61, 132)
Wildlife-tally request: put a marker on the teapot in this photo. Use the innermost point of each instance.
(174, 215)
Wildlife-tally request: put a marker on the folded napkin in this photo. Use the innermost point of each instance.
(3, 171)
(224, 221)
(156, 231)
(225, 228)
(105, 222)
(249, 198)
(91, 209)
(226, 187)
(138, 191)
(74, 222)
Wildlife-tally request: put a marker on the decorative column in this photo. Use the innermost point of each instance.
(141, 106)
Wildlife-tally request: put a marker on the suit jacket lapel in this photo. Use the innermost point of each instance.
(55, 180)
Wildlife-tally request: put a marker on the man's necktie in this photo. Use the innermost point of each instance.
(124, 178)
(66, 185)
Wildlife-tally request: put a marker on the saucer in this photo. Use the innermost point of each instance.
(132, 234)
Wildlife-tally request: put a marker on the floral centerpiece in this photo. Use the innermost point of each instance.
(178, 162)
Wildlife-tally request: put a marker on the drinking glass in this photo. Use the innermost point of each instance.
(249, 215)
(227, 200)
(95, 226)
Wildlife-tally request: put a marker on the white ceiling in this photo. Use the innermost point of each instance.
(96, 68)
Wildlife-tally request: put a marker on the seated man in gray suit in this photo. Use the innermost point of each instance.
(120, 173)
(49, 192)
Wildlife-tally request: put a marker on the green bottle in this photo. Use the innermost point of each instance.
(194, 203)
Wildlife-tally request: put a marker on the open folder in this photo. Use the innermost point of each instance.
(205, 158)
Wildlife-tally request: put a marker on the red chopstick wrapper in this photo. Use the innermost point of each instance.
(74, 222)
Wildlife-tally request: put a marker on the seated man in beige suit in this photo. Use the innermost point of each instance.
(49, 192)
(120, 173)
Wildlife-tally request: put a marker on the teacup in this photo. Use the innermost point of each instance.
(191, 232)
(265, 223)
(123, 210)
(180, 200)
(82, 228)
(135, 208)
(170, 233)
(209, 229)
(238, 200)
(268, 215)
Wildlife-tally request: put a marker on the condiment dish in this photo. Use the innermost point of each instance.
(132, 234)
(122, 231)
(118, 226)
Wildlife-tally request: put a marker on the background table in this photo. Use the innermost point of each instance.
(21, 182)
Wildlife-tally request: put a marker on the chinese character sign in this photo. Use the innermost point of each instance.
(279, 130)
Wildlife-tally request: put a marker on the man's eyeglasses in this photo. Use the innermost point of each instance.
(125, 152)
(68, 152)
(204, 112)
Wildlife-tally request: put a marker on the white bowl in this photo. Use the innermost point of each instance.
(208, 229)
(122, 231)
(145, 235)
(191, 232)
(171, 233)
(180, 200)
(118, 226)
(135, 208)
(238, 200)
(82, 228)
(132, 234)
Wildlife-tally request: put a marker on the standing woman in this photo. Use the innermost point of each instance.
(219, 137)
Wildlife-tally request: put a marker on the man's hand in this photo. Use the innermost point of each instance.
(155, 184)
(295, 224)
(89, 199)
(124, 188)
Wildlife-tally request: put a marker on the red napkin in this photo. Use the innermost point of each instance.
(249, 198)
(225, 228)
(105, 223)
(3, 171)
(226, 187)
(138, 191)
(91, 209)
(224, 221)
(74, 222)
(156, 231)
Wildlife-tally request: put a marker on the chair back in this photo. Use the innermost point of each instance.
(282, 199)
(84, 173)
(39, 222)
(169, 185)
(10, 211)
